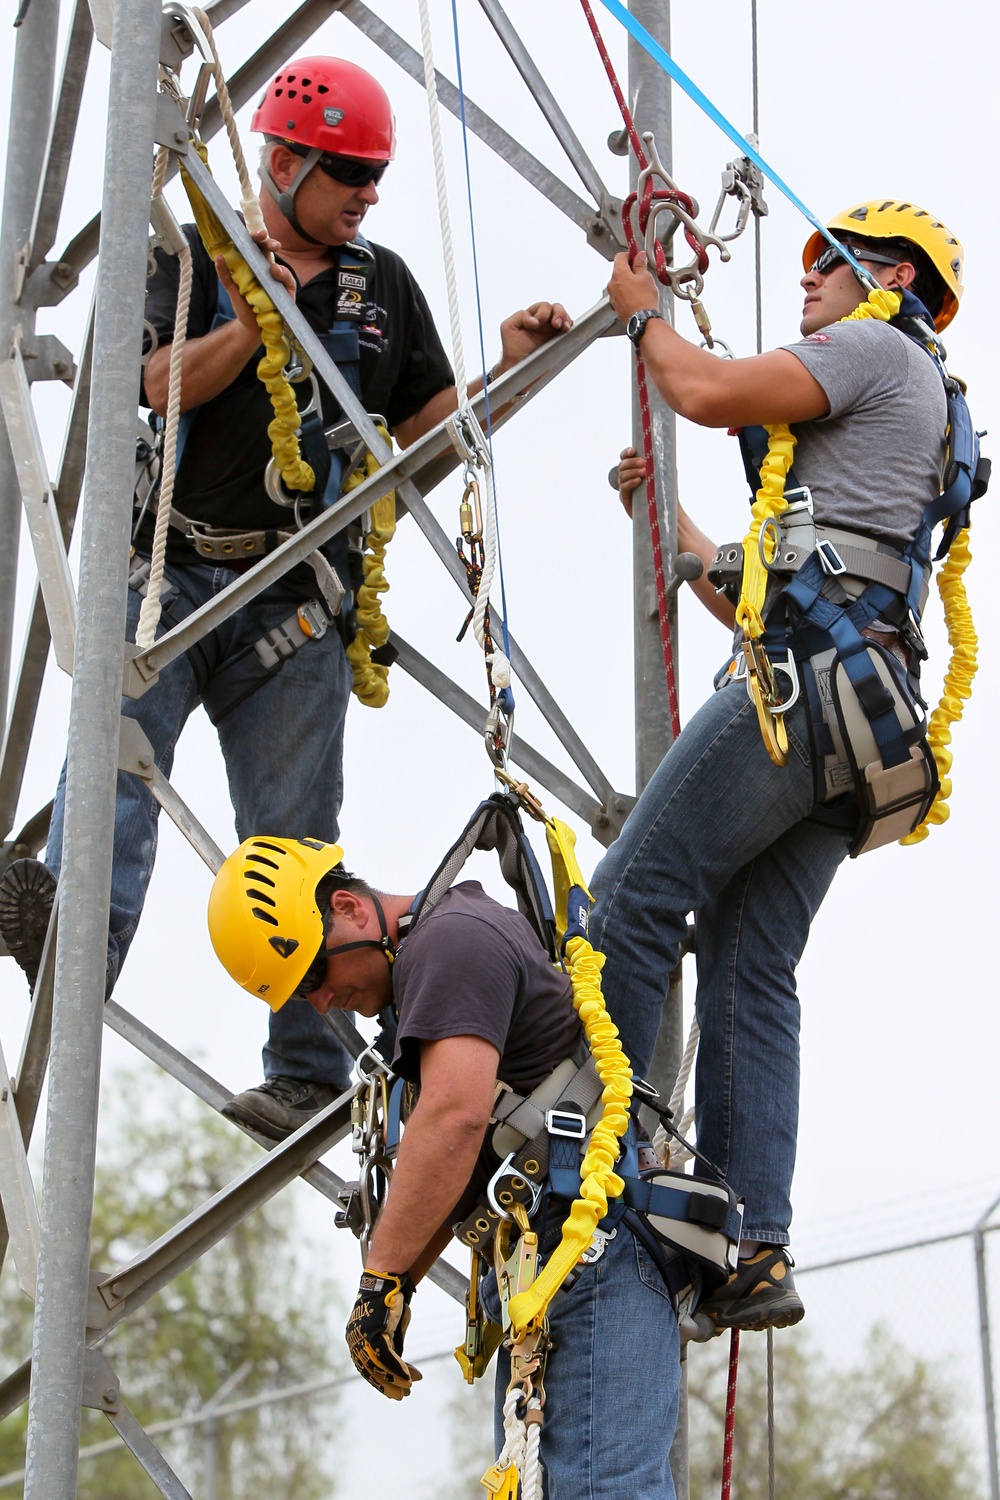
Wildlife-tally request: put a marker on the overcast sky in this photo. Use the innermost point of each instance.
(899, 990)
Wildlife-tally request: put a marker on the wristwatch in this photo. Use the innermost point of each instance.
(636, 325)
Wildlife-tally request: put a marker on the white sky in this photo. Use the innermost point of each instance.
(900, 1028)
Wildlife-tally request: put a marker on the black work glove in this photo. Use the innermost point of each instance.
(375, 1332)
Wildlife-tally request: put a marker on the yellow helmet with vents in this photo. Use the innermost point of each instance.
(892, 219)
(263, 919)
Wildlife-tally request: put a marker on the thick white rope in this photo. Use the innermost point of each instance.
(521, 1445)
(249, 201)
(499, 666)
(149, 614)
(447, 245)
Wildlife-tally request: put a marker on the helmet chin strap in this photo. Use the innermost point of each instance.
(286, 200)
(384, 944)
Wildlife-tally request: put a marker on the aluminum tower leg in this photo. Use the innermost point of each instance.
(30, 108)
(58, 1345)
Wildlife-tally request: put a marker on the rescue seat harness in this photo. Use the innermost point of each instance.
(689, 1224)
(827, 595)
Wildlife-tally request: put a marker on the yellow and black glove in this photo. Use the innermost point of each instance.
(375, 1332)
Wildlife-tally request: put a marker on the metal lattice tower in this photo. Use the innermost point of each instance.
(76, 1308)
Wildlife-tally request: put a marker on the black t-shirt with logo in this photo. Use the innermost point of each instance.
(220, 478)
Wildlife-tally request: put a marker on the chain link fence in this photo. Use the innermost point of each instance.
(885, 1392)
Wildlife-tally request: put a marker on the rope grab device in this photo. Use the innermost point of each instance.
(301, 474)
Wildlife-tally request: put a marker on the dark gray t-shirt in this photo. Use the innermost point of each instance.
(472, 967)
(877, 459)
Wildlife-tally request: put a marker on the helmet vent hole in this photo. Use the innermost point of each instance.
(264, 916)
(321, 88)
(261, 896)
(293, 93)
(307, 98)
(263, 844)
(278, 93)
(260, 878)
(260, 859)
(306, 82)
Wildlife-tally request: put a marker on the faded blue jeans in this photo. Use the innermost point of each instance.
(283, 748)
(721, 831)
(611, 1386)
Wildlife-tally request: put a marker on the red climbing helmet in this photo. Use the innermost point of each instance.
(330, 105)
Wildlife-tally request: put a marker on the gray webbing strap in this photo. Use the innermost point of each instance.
(489, 828)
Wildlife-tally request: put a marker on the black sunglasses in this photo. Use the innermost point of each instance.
(350, 171)
(832, 257)
(316, 972)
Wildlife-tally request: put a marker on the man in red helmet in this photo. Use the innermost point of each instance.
(262, 675)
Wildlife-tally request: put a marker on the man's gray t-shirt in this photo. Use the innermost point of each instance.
(877, 459)
(472, 967)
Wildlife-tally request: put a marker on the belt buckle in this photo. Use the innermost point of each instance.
(566, 1122)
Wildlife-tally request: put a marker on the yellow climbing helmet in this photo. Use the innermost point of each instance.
(887, 219)
(265, 925)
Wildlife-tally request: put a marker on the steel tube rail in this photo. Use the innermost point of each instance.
(651, 90)
(489, 132)
(470, 711)
(546, 101)
(30, 112)
(77, 1022)
(51, 188)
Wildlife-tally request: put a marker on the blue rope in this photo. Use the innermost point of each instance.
(666, 62)
(506, 694)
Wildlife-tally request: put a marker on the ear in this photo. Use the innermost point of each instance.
(349, 907)
(902, 275)
(283, 166)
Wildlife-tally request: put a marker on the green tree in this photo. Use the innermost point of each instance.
(887, 1429)
(251, 1300)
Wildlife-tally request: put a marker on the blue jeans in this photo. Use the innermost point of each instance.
(612, 1382)
(720, 831)
(283, 748)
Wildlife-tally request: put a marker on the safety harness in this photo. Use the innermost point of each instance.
(349, 571)
(879, 770)
(547, 1141)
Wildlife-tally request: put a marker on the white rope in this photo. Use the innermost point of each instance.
(249, 201)
(521, 1445)
(498, 664)
(684, 1071)
(149, 614)
(447, 246)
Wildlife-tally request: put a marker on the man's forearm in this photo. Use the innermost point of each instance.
(435, 1162)
(209, 365)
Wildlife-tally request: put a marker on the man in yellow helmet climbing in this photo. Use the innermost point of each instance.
(484, 1019)
(274, 678)
(814, 743)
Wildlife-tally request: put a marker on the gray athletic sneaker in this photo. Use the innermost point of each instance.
(27, 894)
(279, 1106)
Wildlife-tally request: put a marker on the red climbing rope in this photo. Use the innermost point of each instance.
(727, 1446)
(649, 196)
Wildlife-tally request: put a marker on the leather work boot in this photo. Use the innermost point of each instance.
(27, 893)
(279, 1106)
(760, 1294)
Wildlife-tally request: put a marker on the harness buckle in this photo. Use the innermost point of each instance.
(830, 559)
(518, 1184)
(566, 1122)
(602, 1239)
(312, 620)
